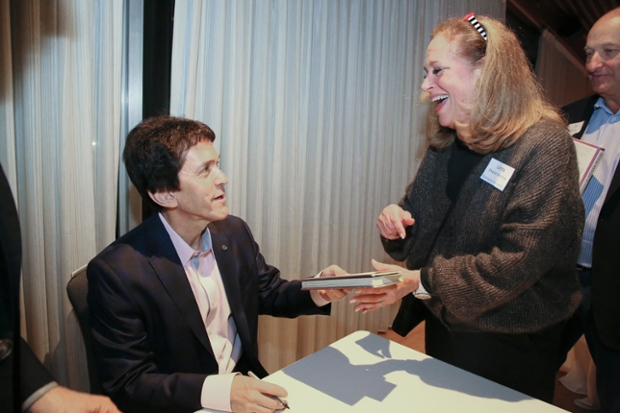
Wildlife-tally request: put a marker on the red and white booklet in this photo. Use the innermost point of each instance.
(588, 158)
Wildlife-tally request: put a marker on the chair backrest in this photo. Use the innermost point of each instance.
(77, 290)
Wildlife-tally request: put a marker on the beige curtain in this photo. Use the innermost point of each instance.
(316, 107)
(562, 76)
(60, 114)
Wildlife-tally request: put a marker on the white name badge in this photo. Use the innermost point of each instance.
(497, 174)
(573, 128)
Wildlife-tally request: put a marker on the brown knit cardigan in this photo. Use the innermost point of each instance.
(504, 261)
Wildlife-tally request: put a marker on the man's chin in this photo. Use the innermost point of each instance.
(600, 86)
(220, 215)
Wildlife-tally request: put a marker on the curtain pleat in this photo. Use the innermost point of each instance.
(61, 99)
(315, 104)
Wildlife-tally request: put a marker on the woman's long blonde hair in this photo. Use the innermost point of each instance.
(508, 99)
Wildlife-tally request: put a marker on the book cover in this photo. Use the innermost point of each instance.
(366, 279)
(588, 157)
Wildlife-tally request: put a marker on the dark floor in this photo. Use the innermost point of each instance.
(564, 398)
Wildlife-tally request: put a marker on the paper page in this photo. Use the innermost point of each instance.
(588, 156)
(585, 153)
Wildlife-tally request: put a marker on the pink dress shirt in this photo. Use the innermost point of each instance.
(205, 280)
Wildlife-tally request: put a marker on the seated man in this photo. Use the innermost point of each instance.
(175, 302)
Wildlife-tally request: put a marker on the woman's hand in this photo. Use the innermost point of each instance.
(392, 222)
(367, 299)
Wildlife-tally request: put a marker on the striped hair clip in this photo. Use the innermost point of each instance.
(472, 19)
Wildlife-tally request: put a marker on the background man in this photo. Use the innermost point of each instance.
(175, 302)
(596, 120)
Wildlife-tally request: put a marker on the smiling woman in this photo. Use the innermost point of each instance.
(498, 98)
(490, 227)
(451, 82)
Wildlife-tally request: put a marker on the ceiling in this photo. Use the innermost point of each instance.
(569, 20)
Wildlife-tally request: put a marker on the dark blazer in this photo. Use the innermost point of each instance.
(606, 250)
(18, 380)
(154, 352)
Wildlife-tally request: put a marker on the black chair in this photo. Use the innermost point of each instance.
(77, 289)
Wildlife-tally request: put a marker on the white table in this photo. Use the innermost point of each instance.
(365, 373)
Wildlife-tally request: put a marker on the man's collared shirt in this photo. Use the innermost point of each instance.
(603, 130)
(205, 280)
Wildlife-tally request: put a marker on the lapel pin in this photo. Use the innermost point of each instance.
(224, 248)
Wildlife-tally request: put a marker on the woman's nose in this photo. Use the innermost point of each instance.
(426, 84)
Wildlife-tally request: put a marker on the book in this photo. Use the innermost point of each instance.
(364, 279)
(588, 157)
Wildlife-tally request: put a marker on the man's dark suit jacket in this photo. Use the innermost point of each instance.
(18, 380)
(153, 349)
(606, 250)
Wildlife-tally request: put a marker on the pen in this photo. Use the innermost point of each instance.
(282, 402)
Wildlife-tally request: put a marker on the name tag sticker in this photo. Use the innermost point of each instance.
(497, 174)
(573, 128)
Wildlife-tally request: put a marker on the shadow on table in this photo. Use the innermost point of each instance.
(350, 383)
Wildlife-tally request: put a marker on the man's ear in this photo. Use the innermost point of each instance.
(165, 199)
